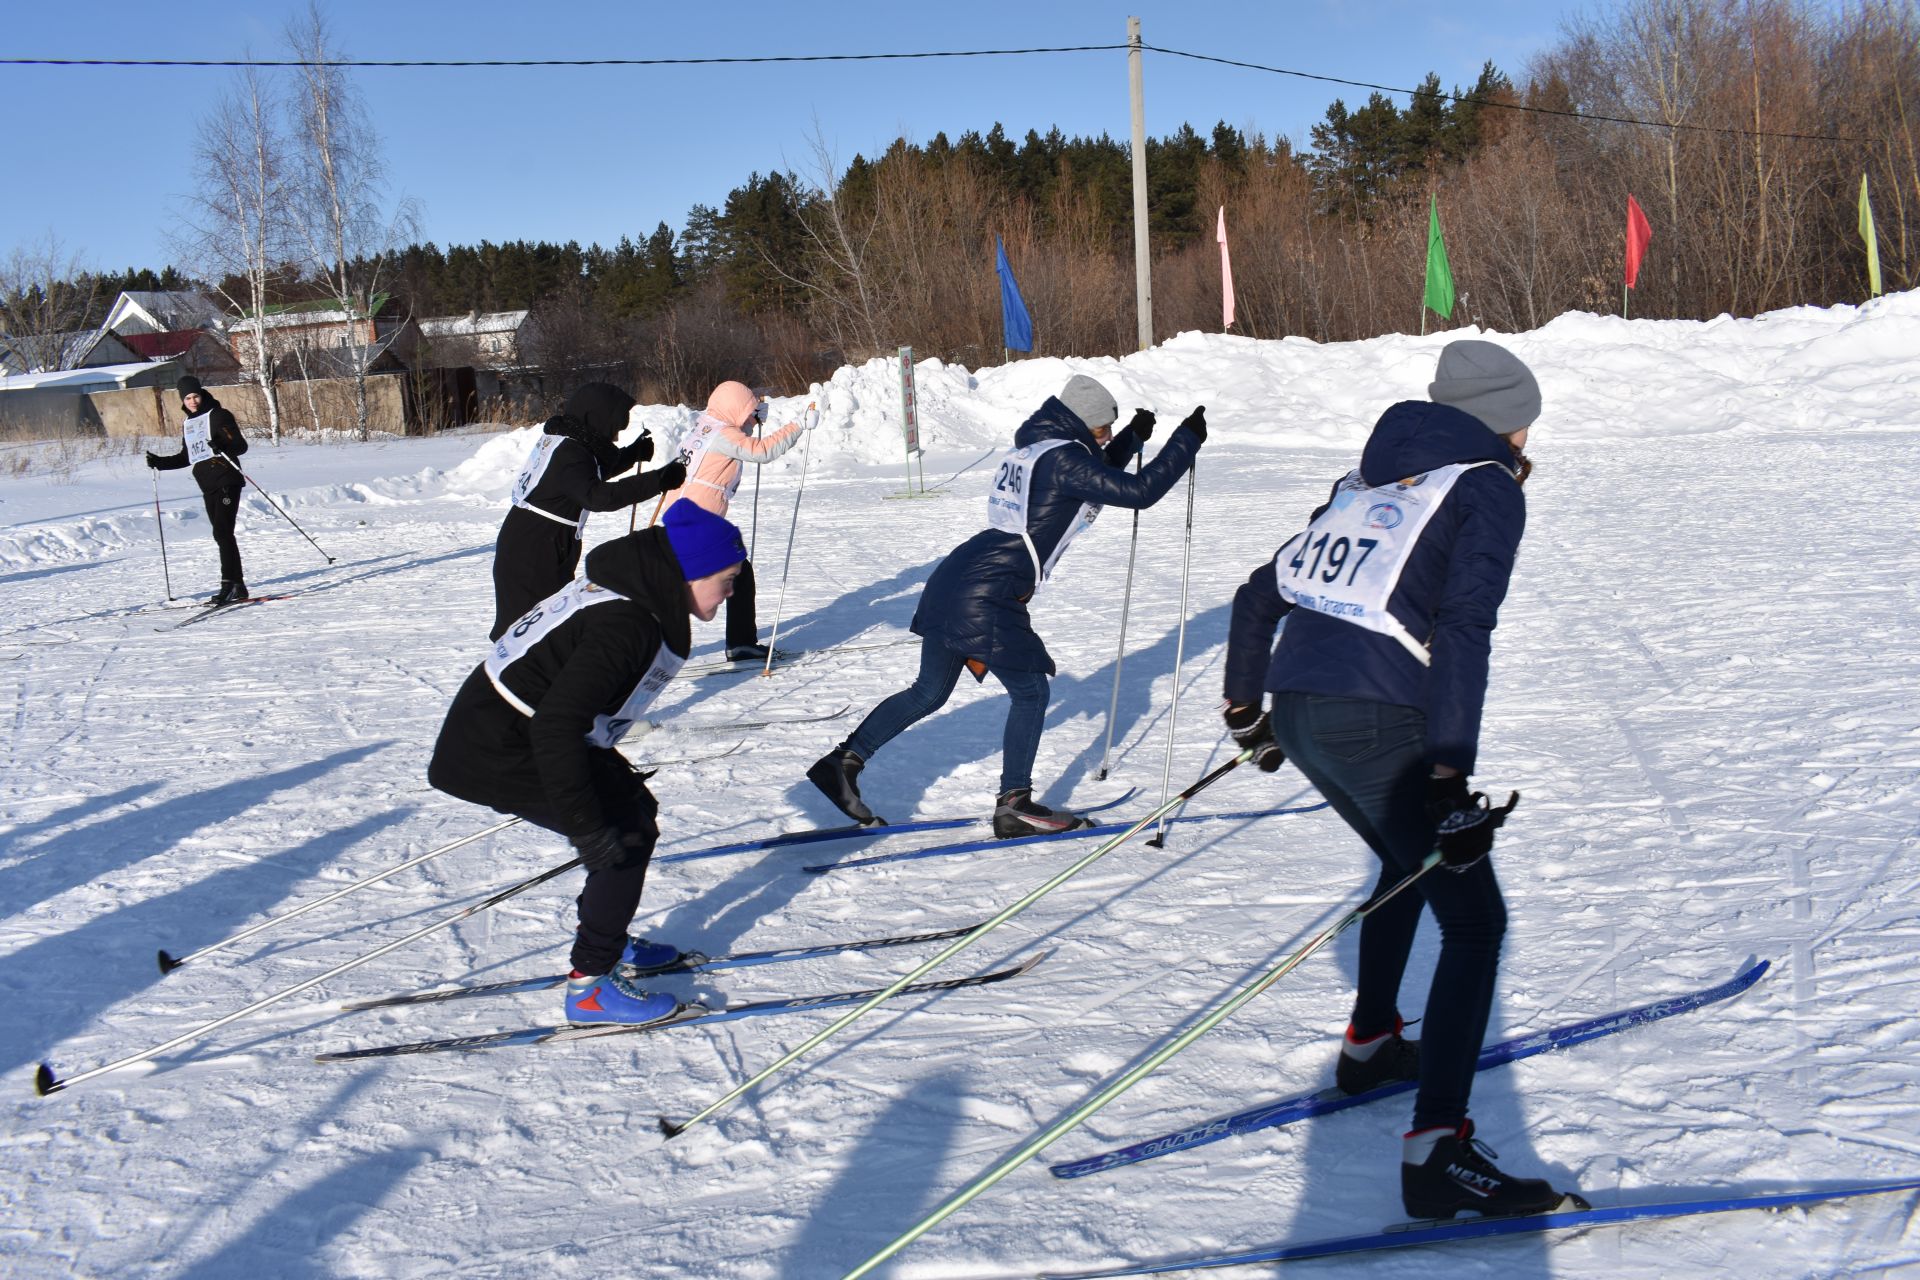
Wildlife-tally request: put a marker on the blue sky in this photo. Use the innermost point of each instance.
(594, 153)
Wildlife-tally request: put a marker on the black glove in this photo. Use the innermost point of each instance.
(1196, 422)
(152, 461)
(1141, 424)
(643, 447)
(672, 476)
(1463, 822)
(1252, 728)
(605, 850)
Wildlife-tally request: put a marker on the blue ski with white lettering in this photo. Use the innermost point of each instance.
(685, 1014)
(1081, 833)
(1435, 1232)
(1270, 1115)
(856, 831)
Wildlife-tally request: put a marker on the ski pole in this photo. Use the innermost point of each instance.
(1079, 1114)
(780, 610)
(753, 533)
(168, 964)
(633, 512)
(1120, 654)
(1159, 840)
(166, 574)
(283, 515)
(45, 1082)
(670, 1129)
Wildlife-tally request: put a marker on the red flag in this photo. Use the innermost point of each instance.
(1639, 235)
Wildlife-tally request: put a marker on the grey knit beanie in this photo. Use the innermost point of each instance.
(1489, 382)
(1090, 402)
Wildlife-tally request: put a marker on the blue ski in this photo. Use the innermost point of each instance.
(1100, 829)
(689, 962)
(1270, 1115)
(1434, 1232)
(693, 1012)
(854, 831)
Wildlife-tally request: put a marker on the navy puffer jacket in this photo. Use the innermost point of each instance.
(976, 601)
(1448, 596)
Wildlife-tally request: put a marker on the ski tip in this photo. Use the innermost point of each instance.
(668, 1129)
(44, 1082)
(167, 963)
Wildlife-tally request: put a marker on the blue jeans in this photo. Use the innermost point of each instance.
(1368, 759)
(940, 669)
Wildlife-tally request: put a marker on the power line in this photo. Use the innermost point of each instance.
(545, 62)
(456, 63)
(1506, 106)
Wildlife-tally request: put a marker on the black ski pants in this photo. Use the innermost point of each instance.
(742, 626)
(223, 508)
(1369, 760)
(532, 558)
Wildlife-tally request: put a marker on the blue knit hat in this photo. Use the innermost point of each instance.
(703, 542)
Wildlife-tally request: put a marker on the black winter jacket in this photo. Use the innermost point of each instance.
(1448, 595)
(975, 603)
(491, 754)
(216, 473)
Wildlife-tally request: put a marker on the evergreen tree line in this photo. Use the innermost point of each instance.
(1776, 108)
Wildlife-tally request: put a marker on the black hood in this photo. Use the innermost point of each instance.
(601, 408)
(642, 567)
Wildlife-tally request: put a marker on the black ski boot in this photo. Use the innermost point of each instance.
(1443, 1171)
(223, 596)
(237, 592)
(1016, 814)
(746, 653)
(1385, 1059)
(837, 774)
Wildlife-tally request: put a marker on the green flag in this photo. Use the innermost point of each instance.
(1866, 234)
(1439, 295)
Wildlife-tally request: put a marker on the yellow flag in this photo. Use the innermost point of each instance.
(1873, 241)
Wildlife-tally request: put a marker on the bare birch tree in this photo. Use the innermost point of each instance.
(237, 225)
(44, 297)
(349, 239)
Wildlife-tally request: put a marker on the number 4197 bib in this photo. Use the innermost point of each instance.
(1349, 560)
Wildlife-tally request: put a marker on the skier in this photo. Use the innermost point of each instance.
(1065, 465)
(533, 733)
(211, 440)
(1390, 598)
(713, 453)
(568, 473)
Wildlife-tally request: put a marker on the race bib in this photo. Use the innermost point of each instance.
(693, 452)
(199, 435)
(1347, 563)
(1007, 504)
(529, 478)
(540, 622)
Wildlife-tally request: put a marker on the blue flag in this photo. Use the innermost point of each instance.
(1013, 312)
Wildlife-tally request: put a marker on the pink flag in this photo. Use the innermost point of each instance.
(1226, 274)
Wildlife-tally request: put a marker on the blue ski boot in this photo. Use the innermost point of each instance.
(608, 997)
(642, 957)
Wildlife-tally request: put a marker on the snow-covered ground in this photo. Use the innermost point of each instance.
(1703, 685)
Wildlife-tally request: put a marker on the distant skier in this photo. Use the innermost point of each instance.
(713, 452)
(533, 732)
(1390, 598)
(568, 473)
(1065, 465)
(211, 440)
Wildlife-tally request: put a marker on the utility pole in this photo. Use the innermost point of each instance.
(1142, 263)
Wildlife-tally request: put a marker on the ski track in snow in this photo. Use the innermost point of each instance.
(1703, 687)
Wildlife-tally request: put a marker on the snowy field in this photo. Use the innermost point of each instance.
(1704, 686)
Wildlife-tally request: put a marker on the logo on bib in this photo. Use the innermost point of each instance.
(1383, 515)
